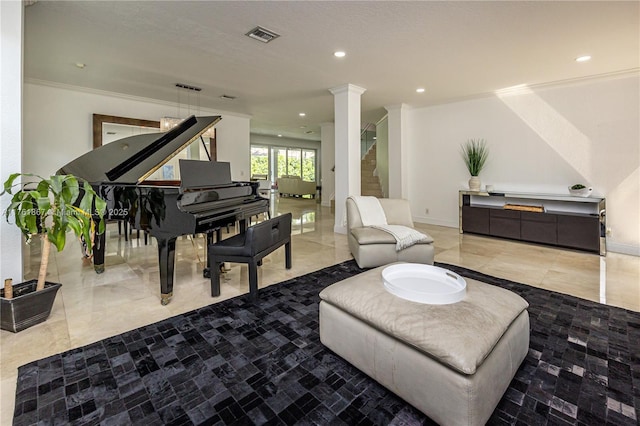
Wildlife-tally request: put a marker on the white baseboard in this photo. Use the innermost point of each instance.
(630, 249)
(438, 222)
(340, 229)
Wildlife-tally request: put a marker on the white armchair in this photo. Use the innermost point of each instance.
(373, 247)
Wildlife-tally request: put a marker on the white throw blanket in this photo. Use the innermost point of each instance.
(372, 215)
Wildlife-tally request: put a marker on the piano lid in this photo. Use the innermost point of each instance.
(131, 160)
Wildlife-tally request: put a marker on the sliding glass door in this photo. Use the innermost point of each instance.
(282, 161)
(294, 162)
(309, 165)
(280, 154)
(259, 161)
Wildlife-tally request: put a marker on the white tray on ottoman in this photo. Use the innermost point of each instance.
(453, 362)
(424, 283)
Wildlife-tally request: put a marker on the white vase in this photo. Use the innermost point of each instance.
(474, 183)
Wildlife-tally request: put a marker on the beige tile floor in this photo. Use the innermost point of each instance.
(90, 307)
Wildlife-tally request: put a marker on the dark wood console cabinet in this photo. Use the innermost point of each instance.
(572, 222)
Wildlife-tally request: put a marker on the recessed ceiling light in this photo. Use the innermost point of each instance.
(302, 114)
(420, 90)
(279, 136)
(80, 65)
(339, 54)
(584, 58)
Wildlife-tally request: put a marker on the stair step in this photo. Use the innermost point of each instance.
(369, 183)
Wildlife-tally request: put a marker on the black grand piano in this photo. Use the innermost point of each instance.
(202, 201)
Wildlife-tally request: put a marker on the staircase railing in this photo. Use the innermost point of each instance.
(367, 138)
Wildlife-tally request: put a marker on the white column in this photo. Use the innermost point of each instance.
(398, 152)
(11, 24)
(328, 149)
(346, 101)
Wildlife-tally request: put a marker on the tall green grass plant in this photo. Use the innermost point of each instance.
(475, 153)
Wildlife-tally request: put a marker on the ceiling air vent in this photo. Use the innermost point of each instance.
(262, 34)
(227, 97)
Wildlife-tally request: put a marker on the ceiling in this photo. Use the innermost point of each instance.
(455, 50)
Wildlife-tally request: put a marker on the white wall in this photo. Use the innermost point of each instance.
(540, 140)
(11, 25)
(232, 139)
(58, 126)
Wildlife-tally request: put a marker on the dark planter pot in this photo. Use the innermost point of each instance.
(27, 307)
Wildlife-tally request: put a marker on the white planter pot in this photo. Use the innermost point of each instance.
(474, 183)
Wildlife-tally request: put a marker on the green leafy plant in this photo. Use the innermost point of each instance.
(578, 186)
(50, 208)
(475, 153)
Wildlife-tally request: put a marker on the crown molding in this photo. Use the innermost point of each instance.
(395, 107)
(615, 75)
(347, 88)
(100, 92)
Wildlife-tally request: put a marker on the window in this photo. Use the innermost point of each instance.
(259, 160)
(281, 161)
(281, 165)
(309, 165)
(294, 162)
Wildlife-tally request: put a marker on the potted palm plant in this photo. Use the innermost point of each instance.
(475, 154)
(48, 208)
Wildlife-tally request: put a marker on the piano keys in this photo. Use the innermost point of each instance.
(202, 201)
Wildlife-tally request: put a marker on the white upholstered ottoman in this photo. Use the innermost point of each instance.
(452, 362)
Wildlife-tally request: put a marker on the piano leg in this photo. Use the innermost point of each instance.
(215, 281)
(166, 260)
(99, 241)
(206, 272)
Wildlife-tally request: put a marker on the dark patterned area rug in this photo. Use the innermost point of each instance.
(238, 362)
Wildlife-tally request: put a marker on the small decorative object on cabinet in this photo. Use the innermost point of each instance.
(579, 190)
(554, 219)
(49, 208)
(474, 153)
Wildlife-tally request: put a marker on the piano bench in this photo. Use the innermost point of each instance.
(251, 247)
